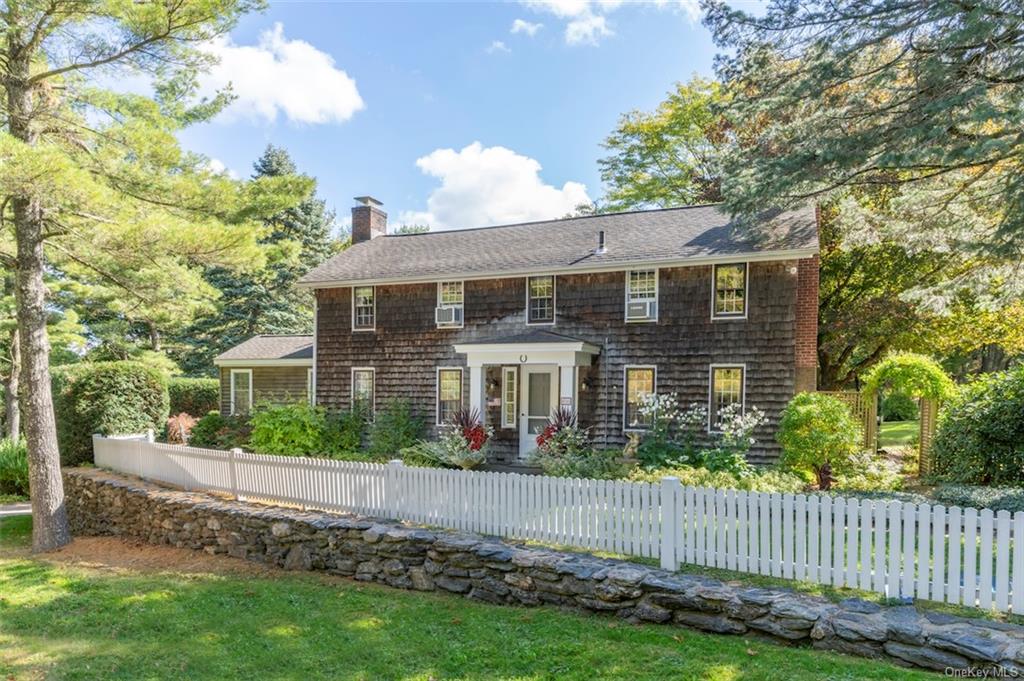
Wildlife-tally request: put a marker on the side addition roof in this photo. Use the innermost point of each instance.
(669, 237)
(269, 350)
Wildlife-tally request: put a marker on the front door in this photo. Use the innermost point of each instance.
(537, 401)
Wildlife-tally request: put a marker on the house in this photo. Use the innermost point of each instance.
(272, 369)
(589, 313)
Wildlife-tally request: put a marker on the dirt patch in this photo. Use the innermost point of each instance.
(110, 553)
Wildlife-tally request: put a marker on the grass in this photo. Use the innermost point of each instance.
(899, 433)
(75, 622)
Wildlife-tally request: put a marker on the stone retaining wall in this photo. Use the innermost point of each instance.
(487, 569)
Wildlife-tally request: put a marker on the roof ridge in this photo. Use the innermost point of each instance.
(563, 219)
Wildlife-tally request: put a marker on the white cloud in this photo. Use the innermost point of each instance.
(490, 185)
(497, 46)
(282, 76)
(586, 21)
(523, 26)
(218, 167)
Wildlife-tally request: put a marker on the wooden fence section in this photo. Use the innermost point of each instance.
(962, 556)
(865, 409)
(929, 424)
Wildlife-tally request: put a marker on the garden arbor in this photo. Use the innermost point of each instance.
(916, 376)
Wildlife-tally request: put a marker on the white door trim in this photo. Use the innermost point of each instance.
(527, 440)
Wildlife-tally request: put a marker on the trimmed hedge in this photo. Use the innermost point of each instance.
(194, 396)
(980, 438)
(109, 398)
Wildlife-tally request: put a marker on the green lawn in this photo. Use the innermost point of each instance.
(73, 622)
(899, 433)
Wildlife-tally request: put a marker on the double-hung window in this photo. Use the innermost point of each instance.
(449, 394)
(540, 300)
(449, 304)
(364, 308)
(640, 383)
(363, 389)
(729, 298)
(241, 391)
(642, 296)
(728, 385)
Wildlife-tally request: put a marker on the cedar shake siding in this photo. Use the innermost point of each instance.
(407, 348)
(273, 385)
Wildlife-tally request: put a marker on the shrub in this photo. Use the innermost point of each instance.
(673, 432)
(910, 374)
(193, 396)
(296, 429)
(109, 398)
(220, 432)
(344, 434)
(818, 434)
(868, 474)
(759, 480)
(996, 498)
(393, 429)
(980, 436)
(13, 467)
(899, 407)
(564, 450)
(179, 428)
(462, 443)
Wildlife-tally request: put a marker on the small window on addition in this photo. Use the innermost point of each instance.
(640, 382)
(727, 389)
(730, 294)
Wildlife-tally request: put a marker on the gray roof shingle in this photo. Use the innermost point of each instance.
(668, 235)
(266, 347)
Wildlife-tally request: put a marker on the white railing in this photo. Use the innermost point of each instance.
(961, 556)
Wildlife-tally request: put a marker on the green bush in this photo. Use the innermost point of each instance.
(296, 429)
(394, 428)
(13, 467)
(996, 498)
(818, 435)
(193, 396)
(214, 431)
(595, 464)
(899, 407)
(980, 436)
(109, 398)
(760, 480)
(345, 434)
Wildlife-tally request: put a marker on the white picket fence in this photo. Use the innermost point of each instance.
(953, 555)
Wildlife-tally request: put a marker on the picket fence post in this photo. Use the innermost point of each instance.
(669, 487)
(394, 498)
(232, 471)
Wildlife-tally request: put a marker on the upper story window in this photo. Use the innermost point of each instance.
(540, 300)
(727, 389)
(640, 382)
(449, 304)
(642, 296)
(364, 308)
(730, 292)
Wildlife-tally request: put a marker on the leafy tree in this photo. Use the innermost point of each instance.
(265, 300)
(94, 183)
(818, 434)
(412, 229)
(927, 98)
(668, 157)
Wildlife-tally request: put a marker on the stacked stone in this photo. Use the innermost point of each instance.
(493, 571)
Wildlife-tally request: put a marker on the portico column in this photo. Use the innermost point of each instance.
(477, 392)
(567, 386)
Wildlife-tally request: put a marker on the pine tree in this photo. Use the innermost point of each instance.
(267, 300)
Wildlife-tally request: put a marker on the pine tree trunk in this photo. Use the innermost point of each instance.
(12, 404)
(50, 529)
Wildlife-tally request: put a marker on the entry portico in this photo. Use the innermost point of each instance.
(545, 365)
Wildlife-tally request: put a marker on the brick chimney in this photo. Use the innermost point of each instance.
(368, 220)
(807, 324)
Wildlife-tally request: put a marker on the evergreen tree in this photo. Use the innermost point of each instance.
(266, 300)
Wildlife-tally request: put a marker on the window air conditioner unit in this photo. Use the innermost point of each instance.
(643, 309)
(448, 316)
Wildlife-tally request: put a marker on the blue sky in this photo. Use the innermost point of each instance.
(442, 111)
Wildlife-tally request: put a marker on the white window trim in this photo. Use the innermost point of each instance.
(657, 297)
(367, 328)
(625, 394)
(231, 381)
(462, 284)
(711, 389)
(309, 386)
(554, 300)
(437, 392)
(507, 372)
(352, 388)
(714, 278)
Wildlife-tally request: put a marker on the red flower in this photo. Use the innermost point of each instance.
(549, 432)
(476, 437)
